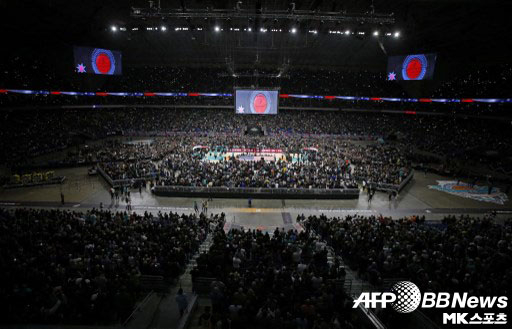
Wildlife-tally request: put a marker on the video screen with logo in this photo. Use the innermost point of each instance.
(97, 61)
(411, 67)
(250, 101)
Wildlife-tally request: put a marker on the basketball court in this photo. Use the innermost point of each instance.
(83, 192)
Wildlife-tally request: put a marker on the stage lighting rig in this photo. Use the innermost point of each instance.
(238, 12)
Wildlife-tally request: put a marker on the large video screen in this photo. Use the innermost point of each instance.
(249, 101)
(411, 67)
(97, 61)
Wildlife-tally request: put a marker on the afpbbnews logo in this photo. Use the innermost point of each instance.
(405, 297)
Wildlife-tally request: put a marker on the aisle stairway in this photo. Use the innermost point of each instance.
(354, 286)
(161, 311)
(202, 302)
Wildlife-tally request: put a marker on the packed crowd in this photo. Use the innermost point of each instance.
(26, 134)
(460, 254)
(379, 164)
(464, 254)
(490, 81)
(17, 73)
(304, 162)
(279, 281)
(85, 268)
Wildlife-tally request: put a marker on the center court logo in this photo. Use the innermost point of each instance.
(405, 297)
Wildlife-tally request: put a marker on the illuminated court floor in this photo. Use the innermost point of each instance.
(84, 192)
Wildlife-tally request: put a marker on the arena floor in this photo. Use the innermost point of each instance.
(85, 192)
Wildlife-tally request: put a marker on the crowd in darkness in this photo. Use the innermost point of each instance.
(493, 82)
(19, 73)
(460, 254)
(487, 82)
(85, 267)
(31, 133)
(285, 280)
(281, 281)
(26, 134)
(73, 267)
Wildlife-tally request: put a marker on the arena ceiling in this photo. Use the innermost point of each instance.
(460, 30)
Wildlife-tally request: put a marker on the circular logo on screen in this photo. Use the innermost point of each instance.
(103, 61)
(260, 102)
(414, 67)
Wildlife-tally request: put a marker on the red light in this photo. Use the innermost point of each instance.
(103, 63)
(413, 69)
(260, 103)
